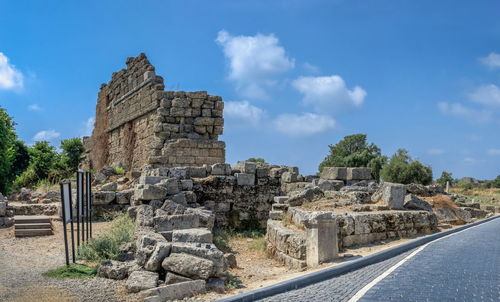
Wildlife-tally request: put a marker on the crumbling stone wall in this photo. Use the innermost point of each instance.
(138, 123)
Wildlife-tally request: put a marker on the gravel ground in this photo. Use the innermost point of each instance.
(24, 260)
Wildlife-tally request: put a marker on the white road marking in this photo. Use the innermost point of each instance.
(367, 287)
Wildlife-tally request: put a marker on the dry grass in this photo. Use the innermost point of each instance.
(482, 195)
(440, 201)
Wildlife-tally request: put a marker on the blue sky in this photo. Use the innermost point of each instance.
(296, 75)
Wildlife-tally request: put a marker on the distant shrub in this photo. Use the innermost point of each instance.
(257, 160)
(401, 168)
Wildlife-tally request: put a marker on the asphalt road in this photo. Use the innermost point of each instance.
(462, 267)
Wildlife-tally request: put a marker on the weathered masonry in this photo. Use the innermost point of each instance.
(139, 123)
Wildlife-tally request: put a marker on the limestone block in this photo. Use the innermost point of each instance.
(246, 167)
(412, 202)
(197, 172)
(113, 270)
(280, 199)
(245, 179)
(261, 172)
(160, 252)
(110, 186)
(103, 197)
(173, 222)
(189, 266)
(177, 291)
(359, 173)
(141, 280)
(171, 184)
(192, 235)
(221, 169)
(186, 184)
(334, 173)
(3, 208)
(321, 242)
(123, 197)
(171, 278)
(288, 177)
(391, 194)
(150, 180)
(276, 215)
(150, 192)
(329, 185)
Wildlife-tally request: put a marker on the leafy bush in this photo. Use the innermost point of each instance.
(118, 170)
(257, 160)
(354, 151)
(107, 246)
(71, 155)
(401, 168)
(8, 138)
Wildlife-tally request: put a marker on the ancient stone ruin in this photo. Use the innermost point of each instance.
(139, 123)
(178, 188)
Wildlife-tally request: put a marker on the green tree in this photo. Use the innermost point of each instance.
(21, 158)
(43, 159)
(354, 151)
(257, 160)
(7, 150)
(445, 177)
(401, 168)
(71, 155)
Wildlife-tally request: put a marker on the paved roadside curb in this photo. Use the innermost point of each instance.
(330, 272)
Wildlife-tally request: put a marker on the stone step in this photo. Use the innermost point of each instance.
(279, 207)
(280, 199)
(33, 232)
(276, 215)
(31, 219)
(33, 226)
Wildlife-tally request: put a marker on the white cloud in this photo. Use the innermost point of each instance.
(34, 107)
(328, 93)
(254, 62)
(243, 111)
(310, 67)
(494, 151)
(10, 77)
(470, 114)
(435, 151)
(488, 95)
(88, 126)
(46, 135)
(492, 60)
(471, 160)
(304, 124)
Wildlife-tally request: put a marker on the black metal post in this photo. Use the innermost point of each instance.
(91, 204)
(84, 196)
(64, 225)
(78, 200)
(89, 193)
(71, 221)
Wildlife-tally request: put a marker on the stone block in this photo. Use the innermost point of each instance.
(123, 197)
(160, 252)
(173, 222)
(189, 266)
(288, 177)
(186, 184)
(113, 270)
(412, 202)
(150, 180)
(280, 199)
(276, 215)
(177, 291)
(329, 185)
(103, 197)
(261, 172)
(171, 184)
(246, 167)
(192, 235)
(110, 186)
(141, 280)
(245, 179)
(150, 192)
(3, 208)
(359, 173)
(221, 169)
(334, 173)
(321, 240)
(391, 194)
(171, 278)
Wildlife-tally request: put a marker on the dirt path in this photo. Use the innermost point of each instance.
(24, 260)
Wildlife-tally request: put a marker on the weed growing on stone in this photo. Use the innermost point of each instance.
(107, 246)
(118, 170)
(232, 281)
(73, 271)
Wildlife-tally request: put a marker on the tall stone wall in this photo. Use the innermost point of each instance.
(138, 123)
